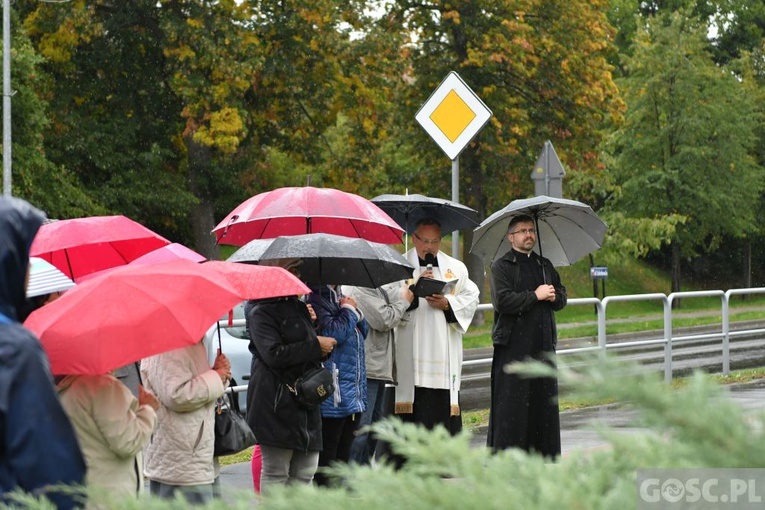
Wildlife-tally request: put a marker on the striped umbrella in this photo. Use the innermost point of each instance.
(45, 278)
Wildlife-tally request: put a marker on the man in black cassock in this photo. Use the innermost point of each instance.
(525, 291)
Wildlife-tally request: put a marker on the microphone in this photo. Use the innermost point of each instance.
(429, 267)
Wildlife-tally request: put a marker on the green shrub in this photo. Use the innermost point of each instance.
(693, 426)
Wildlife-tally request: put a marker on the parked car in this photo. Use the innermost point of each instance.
(234, 342)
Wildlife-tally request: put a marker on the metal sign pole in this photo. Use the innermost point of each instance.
(456, 198)
(7, 98)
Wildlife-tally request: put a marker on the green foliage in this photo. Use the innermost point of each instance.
(540, 67)
(625, 276)
(695, 425)
(683, 155)
(34, 177)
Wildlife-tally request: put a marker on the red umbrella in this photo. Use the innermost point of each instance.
(167, 253)
(131, 313)
(307, 210)
(259, 282)
(81, 246)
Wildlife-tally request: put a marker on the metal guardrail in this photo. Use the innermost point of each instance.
(668, 340)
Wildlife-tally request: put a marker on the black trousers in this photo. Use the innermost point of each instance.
(337, 435)
(432, 407)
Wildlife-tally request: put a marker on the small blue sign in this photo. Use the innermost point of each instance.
(599, 272)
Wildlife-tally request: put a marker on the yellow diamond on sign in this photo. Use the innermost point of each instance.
(452, 116)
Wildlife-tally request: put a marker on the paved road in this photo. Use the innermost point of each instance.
(577, 431)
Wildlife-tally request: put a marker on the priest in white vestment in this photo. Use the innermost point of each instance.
(429, 347)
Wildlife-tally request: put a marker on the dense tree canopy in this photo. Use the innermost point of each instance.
(540, 66)
(173, 112)
(685, 146)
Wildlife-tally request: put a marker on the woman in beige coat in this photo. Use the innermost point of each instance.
(179, 457)
(112, 427)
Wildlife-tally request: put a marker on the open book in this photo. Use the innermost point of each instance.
(427, 286)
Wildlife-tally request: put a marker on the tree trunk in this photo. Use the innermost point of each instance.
(202, 214)
(676, 272)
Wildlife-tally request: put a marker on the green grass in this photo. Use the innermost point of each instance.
(243, 456)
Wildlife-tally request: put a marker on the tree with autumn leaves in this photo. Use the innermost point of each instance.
(215, 101)
(173, 112)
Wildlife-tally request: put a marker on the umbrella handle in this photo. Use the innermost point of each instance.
(536, 227)
(225, 230)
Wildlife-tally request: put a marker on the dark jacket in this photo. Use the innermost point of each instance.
(349, 328)
(283, 343)
(510, 302)
(38, 446)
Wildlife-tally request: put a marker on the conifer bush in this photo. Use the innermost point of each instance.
(694, 426)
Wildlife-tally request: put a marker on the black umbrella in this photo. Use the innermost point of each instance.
(331, 259)
(407, 210)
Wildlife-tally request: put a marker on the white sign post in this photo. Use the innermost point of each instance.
(452, 116)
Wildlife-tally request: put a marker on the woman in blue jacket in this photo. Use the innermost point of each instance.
(339, 318)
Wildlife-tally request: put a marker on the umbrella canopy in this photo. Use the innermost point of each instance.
(45, 278)
(259, 282)
(81, 246)
(332, 259)
(167, 253)
(567, 230)
(407, 210)
(131, 313)
(307, 210)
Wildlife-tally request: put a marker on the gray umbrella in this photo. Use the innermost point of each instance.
(567, 230)
(331, 259)
(407, 210)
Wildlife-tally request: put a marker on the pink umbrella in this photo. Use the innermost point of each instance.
(133, 312)
(259, 282)
(167, 253)
(307, 210)
(81, 246)
(130, 313)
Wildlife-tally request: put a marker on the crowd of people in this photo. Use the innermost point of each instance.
(389, 352)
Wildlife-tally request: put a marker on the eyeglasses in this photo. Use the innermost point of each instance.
(524, 231)
(433, 242)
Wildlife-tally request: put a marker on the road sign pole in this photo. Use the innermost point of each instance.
(452, 116)
(547, 169)
(456, 198)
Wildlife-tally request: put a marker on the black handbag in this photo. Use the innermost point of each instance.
(313, 387)
(232, 433)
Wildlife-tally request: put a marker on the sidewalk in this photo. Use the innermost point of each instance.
(578, 430)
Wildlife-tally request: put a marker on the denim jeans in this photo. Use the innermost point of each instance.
(363, 447)
(193, 494)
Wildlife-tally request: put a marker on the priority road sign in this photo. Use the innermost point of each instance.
(453, 115)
